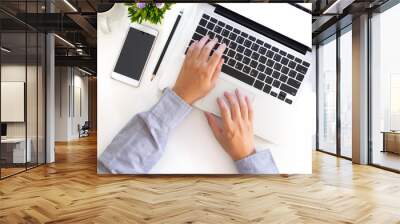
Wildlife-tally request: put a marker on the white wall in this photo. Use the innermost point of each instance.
(70, 83)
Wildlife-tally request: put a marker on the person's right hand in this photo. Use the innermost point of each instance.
(199, 71)
(236, 132)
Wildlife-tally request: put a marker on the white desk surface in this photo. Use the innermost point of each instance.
(191, 147)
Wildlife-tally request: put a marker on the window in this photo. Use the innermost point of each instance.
(346, 75)
(327, 96)
(385, 89)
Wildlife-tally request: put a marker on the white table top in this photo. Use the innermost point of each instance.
(191, 147)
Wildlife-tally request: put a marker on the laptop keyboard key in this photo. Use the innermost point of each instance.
(239, 66)
(270, 63)
(292, 73)
(270, 54)
(255, 47)
(291, 57)
(277, 66)
(288, 89)
(228, 27)
(268, 71)
(275, 49)
(246, 69)
(219, 37)
(267, 88)
(276, 74)
(277, 57)
(231, 62)
(222, 24)
(252, 38)
(262, 50)
(214, 20)
(274, 94)
(203, 22)
(282, 53)
(276, 83)
(225, 33)
(268, 80)
(285, 70)
(237, 74)
(246, 60)
(253, 64)
(284, 61)
(240, 49)
(298, 60)
(289, 101)
(210, 25)
(263, 59)
(300, 77)
(247, 52)
(205, 16)
(292, 64)
(232, 36)
(201, 30)
(239, 56)
(259, 85)
(306, 64)
(247, 43)
(231, 53)
(196, 36)
(243, 34)
(260, 42)
(236, 31)
(255, 55)
(301, 69)
(226, 42)
(261, 76)
(233, 45)
(293, 83)
(217, 29)
(254, 73)
(211, 34)
(283, 78)
(261, 67)
(268, 46)
(282, 95)
(240, 39)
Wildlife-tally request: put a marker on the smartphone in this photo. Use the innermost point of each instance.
(134, 54)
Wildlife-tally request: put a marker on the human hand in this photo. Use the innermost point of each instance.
(236, 132)
(199, 71)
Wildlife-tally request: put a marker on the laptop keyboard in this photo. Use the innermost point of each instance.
(253, 61)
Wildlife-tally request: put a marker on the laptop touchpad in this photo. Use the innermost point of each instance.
(209, 102)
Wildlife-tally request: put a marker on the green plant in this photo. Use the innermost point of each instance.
(147, 11)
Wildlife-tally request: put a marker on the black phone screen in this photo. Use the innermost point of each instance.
(134, 54)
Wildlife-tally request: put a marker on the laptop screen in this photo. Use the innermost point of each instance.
(293, 23)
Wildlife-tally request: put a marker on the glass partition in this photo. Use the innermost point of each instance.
(346, 93)
(385, 89)
(327, 96)
(22, 90)
(13, 109)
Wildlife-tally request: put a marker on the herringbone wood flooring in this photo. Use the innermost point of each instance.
(70, 191)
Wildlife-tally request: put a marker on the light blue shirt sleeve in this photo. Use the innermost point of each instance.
(141, 143)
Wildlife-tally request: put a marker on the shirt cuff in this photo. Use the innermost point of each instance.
(260, 162)
(170, 109)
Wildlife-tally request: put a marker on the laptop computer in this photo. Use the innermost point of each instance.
(264, 64)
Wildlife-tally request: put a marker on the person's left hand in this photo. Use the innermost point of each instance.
(199, 71)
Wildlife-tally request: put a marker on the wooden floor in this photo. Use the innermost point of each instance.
(70, 191)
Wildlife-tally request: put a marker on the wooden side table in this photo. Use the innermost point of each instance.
(391, 141)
